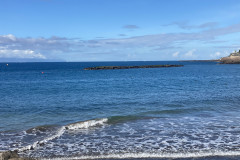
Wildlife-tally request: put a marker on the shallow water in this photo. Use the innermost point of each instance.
(59, 110)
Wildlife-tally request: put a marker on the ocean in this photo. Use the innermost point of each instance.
(61, 111)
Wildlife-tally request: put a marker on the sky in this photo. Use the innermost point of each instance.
(118, 30)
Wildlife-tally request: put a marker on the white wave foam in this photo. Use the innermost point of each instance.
(35, 144)
(87, 124)
(78, 125)
(154, 155)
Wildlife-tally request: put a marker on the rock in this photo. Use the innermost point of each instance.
(131, 67)
(230, 60)
(12, 155)
(21, 159)
(8, 155)
(233, 58)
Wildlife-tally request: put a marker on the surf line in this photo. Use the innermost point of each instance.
(153, 155)
(72, 126)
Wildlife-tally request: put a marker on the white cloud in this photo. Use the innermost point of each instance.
(190, 53)
(10, 36)
(216, 55)
(175, 54)
(66, 45)
(66, 48)
(7, 53)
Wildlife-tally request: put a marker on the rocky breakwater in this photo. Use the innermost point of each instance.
(131, 67)
(233, 58)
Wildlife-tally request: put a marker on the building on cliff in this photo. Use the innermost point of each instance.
(235, 53)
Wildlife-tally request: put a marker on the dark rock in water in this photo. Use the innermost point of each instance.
(131, 67)
(8, 155)
(40, 143)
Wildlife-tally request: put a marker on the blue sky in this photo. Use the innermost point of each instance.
(118, 30)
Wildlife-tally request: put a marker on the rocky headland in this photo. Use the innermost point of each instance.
(233, 58)
(131, 67)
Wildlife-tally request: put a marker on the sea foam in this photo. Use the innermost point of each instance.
(154, 155)
(86, 124)
(61, 130)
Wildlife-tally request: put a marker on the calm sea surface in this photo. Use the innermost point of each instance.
(59, 110)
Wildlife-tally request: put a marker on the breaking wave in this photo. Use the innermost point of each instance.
(61, 130)
(87, 124)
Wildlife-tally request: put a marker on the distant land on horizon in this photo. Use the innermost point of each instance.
(233, 58)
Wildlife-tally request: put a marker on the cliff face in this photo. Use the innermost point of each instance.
(230, 60)
(233, 58)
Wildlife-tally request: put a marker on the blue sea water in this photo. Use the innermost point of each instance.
(60, 110)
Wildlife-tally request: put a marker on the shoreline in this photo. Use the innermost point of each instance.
(122, 157)
(218, 155)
